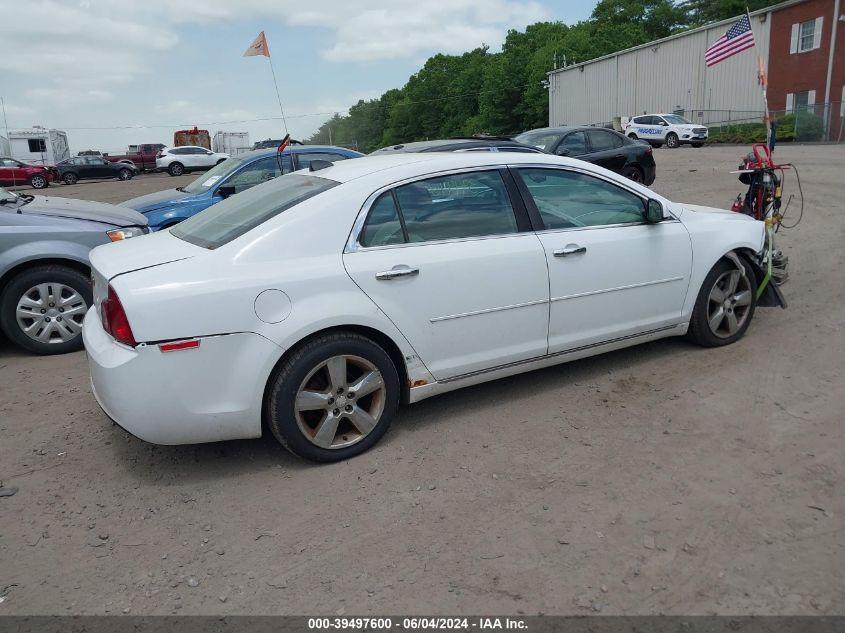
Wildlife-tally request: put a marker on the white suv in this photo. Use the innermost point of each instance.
(177, 160)
(672, 129)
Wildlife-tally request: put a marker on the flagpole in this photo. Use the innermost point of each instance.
(763, 80)
(278, 96)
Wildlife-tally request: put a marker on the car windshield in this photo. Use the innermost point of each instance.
(236, 215)
(676, 119)
(213, 175)
(542, 138)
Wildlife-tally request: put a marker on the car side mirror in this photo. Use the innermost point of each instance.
(663, 123)
(224, 191)
(563, 152)
(653, 211)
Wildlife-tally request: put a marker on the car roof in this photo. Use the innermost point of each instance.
(296, 149)
(450, 144)
(569, 128)
(396, 166)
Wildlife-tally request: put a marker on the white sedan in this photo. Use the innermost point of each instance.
(313, 305)
(178, 160)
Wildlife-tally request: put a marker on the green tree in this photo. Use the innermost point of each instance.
(699, 12)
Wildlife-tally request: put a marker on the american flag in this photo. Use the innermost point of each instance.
(738, 38)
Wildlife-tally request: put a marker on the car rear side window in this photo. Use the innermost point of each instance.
(236, 215)
(602, 141)
(568, 199)
(383, 226)
(456, 206)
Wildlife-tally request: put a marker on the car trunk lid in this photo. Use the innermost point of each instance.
(156, 249)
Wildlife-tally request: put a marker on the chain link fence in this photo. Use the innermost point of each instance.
(820, 122)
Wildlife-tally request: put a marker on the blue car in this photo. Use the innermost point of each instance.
(166, 208)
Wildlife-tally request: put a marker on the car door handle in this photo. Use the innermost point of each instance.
(570, 249)
(395, 273)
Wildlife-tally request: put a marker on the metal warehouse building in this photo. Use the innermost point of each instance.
(800, 41)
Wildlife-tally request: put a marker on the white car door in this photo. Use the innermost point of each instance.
(648, 128)
(452, 262)
(611, 275)
(204, 157)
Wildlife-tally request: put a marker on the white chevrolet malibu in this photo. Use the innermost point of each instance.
(317, 303)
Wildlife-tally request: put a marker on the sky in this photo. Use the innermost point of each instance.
(113, 73)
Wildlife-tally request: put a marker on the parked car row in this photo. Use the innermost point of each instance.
(225, 178)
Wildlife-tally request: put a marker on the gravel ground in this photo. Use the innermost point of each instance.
(659, 479)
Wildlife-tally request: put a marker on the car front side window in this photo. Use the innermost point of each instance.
(254, 174)
(574, 144)
(569, 199)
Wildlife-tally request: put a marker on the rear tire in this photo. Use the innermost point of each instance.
(176, 169)
(633, 137)
(698, 144)
(672, 140)
(124, 174)
(70, 178)
(724, 307)
(312, 407)
(39, 181)
(632, 172)
(21, 298)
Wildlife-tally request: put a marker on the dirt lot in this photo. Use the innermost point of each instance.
(659, 479)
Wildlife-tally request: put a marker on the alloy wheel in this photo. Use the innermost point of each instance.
(729, 304)
(38, 182)
(51, 313)
(340, 401)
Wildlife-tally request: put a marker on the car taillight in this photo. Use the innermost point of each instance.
(115, 321)
(650, 150)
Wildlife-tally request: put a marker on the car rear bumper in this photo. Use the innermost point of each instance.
(208, 394)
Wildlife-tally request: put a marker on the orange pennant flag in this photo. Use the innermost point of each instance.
(761, 73)
(258, 47)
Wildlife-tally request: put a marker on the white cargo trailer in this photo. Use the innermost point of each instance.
(39, 145)
(5, 149)
(232, 143)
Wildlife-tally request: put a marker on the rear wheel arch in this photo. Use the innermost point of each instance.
(379, 338)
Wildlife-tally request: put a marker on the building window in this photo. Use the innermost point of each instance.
(806, 35)
(802, 100)
(37, 145)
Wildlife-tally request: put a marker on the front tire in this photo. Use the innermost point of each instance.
(42, 309)
(70, 178)
(39, 181)
(672, 140)
(724, 307)
(333, 398)
(698, 145)
(176, 169)
(124, 174)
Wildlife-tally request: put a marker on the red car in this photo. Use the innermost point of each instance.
(14, 172)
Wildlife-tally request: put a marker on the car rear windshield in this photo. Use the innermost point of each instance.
(240, 213)
(543, 139)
